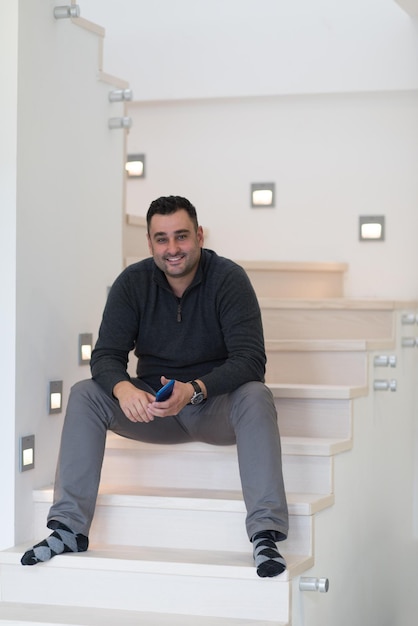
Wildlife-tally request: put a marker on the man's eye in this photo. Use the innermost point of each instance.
(161, 240)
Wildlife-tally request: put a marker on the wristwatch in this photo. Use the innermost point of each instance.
(197, 396)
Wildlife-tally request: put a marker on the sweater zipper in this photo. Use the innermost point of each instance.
(179, 310)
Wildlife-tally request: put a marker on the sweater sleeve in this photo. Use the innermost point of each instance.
(240, 321)
(117, 335)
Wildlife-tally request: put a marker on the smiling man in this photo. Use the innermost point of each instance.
(191, 316)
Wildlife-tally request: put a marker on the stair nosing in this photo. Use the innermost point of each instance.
(68, 615)
(302, 504)
(164, 561)
(291, 445)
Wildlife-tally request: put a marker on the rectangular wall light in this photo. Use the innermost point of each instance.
(55, 397)
(372, 228)
(27, 453)
(262, 195)
(85, 348)
(135, 165)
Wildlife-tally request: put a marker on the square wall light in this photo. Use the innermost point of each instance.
(27, 453)
(55, 397)
(85, 348)
(135, 166)
(262, 195)
(372, 228)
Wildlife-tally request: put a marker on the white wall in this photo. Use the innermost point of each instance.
(316, 96)
(69, 223)
(8, 131)
(332, 157)
(238, 48)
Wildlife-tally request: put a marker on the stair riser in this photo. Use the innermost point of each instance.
(282, 323)
(147, 591)
(132, 468)
(314, 418)
(172, 528)
(268, 284)
(317, 368)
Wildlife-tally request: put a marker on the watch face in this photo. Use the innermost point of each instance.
(197, 398)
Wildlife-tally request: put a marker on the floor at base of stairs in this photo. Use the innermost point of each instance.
(42, 615)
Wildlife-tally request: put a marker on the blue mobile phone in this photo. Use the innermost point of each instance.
(165, 392)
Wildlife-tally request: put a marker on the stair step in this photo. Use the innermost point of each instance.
(307, 464)
(324, 446)
(192, 499)
(317, 391)
(276, 279)
(18, 614)
(193, 582)
(316, 364)
(183, 518)
(338, 319)
(270, 279)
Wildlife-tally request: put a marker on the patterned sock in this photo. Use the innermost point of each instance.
(268, 560)
(61, 540)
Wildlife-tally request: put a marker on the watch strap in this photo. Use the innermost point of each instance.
(196, 386)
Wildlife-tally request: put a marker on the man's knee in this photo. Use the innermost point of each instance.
(87, 388)
(254, 392)
(253, 399)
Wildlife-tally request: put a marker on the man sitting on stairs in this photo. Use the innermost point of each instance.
(191, 316)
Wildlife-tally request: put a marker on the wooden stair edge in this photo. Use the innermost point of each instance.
(374, 304)
(305, 446)
(317, 392)
(136, 220)
(293, 266)
(166, 561)
(301, 504)
(22, 614)
(329, 345)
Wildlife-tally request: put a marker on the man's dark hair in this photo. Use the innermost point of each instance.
(166, 205)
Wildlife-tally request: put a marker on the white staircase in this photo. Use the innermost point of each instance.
(168, 542)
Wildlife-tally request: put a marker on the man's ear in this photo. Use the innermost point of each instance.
(149, 244)
(200, 236)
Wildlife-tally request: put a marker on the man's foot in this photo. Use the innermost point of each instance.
(61, 540)
(268, 560)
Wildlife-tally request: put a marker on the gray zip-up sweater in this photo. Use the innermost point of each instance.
(213, 332)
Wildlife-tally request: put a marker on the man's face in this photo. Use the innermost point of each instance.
(175, 244)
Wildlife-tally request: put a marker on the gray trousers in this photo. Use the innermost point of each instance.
(246, 417)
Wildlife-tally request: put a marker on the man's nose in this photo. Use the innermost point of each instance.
(173, 245)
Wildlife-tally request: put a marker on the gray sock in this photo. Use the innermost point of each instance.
(61, 540)
(268, 560)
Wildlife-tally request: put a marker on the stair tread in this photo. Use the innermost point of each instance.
(25, 614)
(354, 304)
(316, 446)
(166, 561)
(316, 391)
(188, 498)
(328, 345)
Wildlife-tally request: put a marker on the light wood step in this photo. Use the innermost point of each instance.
(304, 391)
(134, 240)
(191, 582)
(307, 464)
(339, 319)
(277, 279)
(317, 362)
(20, 614)
(315, 410)
(270, 279)
(184, 518)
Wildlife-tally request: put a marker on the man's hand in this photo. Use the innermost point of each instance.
(182, 393)
(140, 406)
(134, 402)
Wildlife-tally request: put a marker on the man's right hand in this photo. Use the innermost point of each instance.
(133, 401)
